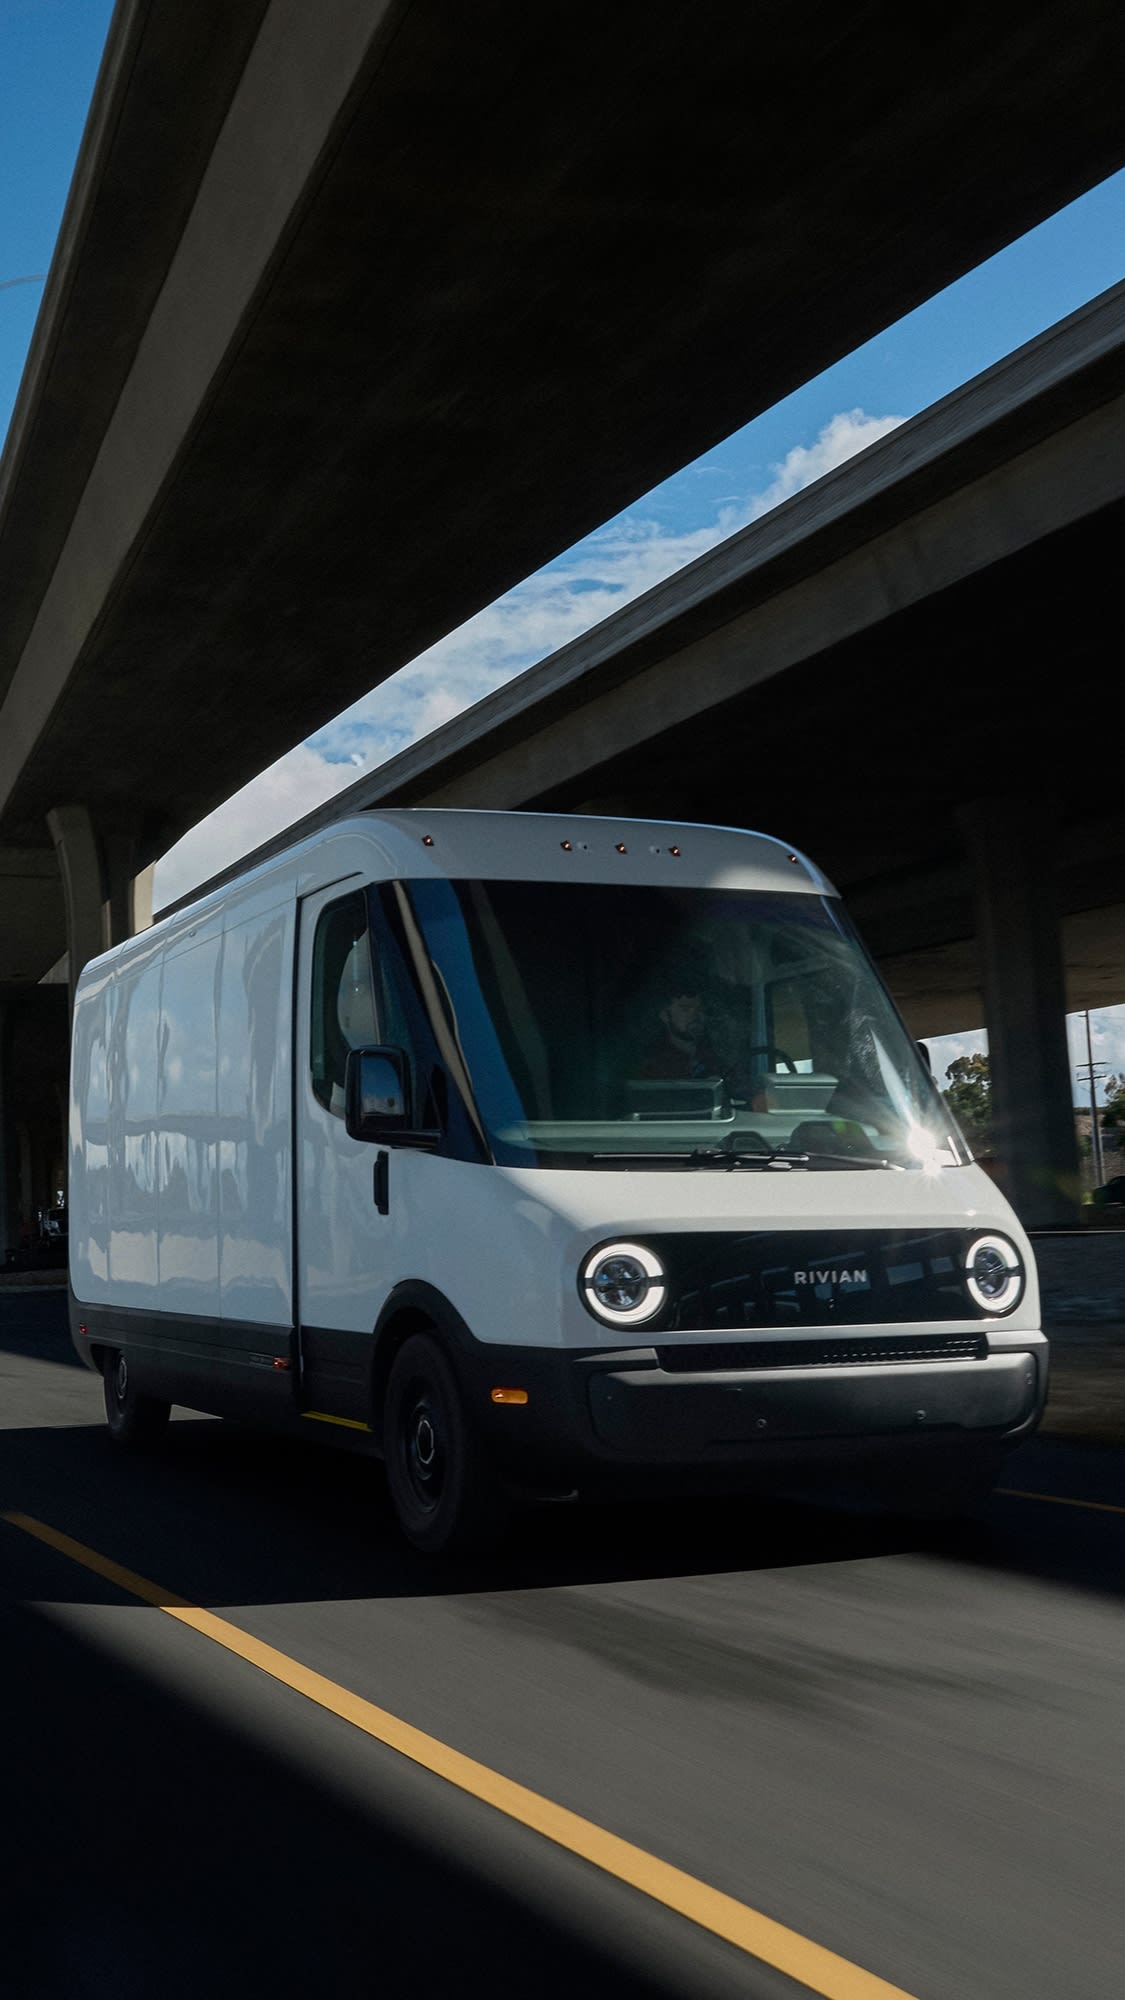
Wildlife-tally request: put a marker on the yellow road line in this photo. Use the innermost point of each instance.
(1059, 1500)
(811, 1965)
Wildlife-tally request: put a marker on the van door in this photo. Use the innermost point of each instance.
(342, 1240)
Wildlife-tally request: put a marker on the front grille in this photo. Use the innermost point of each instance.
(775, 1282)
(705, 1357)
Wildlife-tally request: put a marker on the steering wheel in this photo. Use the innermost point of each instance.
(775, 1055)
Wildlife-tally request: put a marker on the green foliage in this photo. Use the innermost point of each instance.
(1113, 1117)
(969, 1097)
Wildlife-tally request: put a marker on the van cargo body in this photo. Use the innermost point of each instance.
(544, 1153)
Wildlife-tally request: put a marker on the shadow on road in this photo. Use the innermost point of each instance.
(146, 1847)
(230, 1516)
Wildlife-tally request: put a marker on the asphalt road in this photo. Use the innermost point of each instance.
(908, 1751)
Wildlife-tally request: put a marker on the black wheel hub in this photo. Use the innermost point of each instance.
(424, 1447)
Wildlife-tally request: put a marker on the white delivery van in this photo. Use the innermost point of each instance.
(542, 1154)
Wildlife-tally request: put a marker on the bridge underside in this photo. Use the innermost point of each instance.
(361, 313)
(393, 302)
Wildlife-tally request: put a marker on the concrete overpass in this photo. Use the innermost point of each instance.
(360, 312)
(896, 670)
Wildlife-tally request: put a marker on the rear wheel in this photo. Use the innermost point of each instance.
(439, 1487)
(133, 1419)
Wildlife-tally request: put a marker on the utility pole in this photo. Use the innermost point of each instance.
(1094, 1072)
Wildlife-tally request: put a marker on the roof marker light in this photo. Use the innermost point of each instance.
(674, 850)
(427, 840)
(795, 859)
(567, 846)
(621, 847)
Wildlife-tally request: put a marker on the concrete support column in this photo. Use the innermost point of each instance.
(140, 908)
(80, 866)
(1011, 845)
(9, 1234)
(106, 899)
(33, 1102)
(128, 895)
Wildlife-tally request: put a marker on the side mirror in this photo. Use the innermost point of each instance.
(376, 1094)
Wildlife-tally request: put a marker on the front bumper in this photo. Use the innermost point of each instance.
(642, 1413)
(592, 1413)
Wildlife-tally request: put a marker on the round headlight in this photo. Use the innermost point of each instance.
(994, 1274)
(623, 1284)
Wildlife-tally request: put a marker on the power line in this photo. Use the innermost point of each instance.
(33, 278)
(1089, 1069)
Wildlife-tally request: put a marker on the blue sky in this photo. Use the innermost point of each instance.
(49, 54)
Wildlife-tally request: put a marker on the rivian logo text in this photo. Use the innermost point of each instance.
(856, 1277)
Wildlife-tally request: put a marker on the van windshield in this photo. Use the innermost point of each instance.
(620, 1025)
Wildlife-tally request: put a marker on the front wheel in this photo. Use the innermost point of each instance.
(439, 1487)
(133, 1419)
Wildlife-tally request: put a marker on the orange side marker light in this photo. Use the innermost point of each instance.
(508, 1395)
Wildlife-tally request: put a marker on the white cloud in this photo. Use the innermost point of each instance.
(587, 584)
(271, 801)
(845, 434)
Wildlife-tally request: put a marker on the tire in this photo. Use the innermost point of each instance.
(441, 1493)
(134, 1420)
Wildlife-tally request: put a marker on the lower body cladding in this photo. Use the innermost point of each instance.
(701, 1415)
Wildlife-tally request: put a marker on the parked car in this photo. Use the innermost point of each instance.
(1112, 1195)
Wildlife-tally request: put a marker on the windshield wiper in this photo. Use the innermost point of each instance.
(700, 1156)
(706, 1156)
(729, 1157)
(850, 1160)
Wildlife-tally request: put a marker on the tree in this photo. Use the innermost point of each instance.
(969, 1097)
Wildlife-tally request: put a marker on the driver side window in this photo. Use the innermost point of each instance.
(344, 1013)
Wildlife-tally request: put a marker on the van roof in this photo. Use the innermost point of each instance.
(459, 844)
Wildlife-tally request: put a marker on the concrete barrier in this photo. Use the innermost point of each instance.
(1081, 1276)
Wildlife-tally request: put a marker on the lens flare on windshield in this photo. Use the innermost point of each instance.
(931, 1152)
